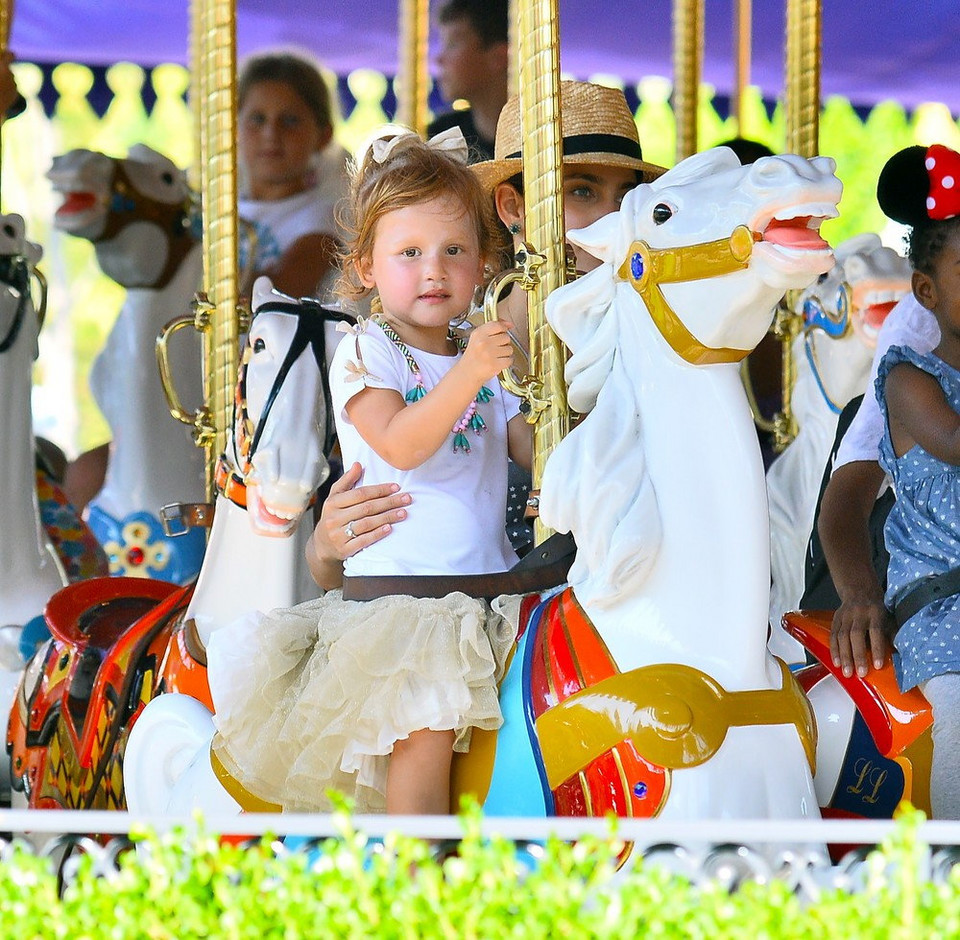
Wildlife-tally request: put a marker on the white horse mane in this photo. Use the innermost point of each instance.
(612, 509)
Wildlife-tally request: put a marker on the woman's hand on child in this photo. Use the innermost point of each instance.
(489, 350)
(352, 517)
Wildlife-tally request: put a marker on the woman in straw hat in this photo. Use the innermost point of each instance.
(602, 160)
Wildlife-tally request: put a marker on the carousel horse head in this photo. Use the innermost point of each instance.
(277, 443)
(843, 312)
(18, 259)
(694, 264)
(135, 210)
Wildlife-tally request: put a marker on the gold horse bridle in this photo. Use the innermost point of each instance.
(647, 268)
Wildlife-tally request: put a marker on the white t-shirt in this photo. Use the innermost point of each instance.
(456, 515)
(908, 324)
(278, 223)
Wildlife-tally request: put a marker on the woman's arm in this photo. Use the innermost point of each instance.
(371, 511)
(861, 623)
(520, 441)
(405, 435)
(300, 269)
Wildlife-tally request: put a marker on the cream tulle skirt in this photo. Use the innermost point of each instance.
(312, 698)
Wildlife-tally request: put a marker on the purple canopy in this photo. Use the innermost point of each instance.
(906, 51)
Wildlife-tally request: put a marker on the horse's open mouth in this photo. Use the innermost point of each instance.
(74, 202)
(800, 233)
(874, 306)
(266, 522)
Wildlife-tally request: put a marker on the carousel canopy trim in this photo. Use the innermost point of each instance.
(884, 49)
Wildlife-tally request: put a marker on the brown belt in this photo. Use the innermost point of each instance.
(544, 567)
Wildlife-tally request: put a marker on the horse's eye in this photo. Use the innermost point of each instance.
(662, 212)
(259, 345)
(167, 177)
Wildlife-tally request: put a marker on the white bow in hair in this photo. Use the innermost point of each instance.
(450, 141)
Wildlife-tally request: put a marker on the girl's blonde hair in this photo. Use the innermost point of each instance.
(411, 174)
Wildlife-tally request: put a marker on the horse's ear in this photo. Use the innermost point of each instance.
(143, 153)
(600, 238)
(715, 160)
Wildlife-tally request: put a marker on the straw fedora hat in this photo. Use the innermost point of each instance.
(598, 129)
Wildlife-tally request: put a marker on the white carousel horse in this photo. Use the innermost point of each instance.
(271, 468)
(842, 314)
(136, 212)
(257, 542)
(30, 571)
(657, 695)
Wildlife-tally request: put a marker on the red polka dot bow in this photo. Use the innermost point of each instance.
(943, 167)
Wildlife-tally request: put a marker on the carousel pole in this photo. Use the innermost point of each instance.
(743, 38)
(539, 81)
(802, 110)
(6, 18)
(513, 61)
(687, 66)
(412, 74)
(217, 315)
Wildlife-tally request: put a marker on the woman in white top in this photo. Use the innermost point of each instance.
(291, 174)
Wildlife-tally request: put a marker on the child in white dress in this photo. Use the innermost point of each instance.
(371, 697)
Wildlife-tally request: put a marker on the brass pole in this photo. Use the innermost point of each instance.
(802, 105)
(802, 112)
(413, 73)
(6, 18)
(743, 37)
(687, 65)
(513, 62)
(539, 76)
(219, 319)
(196, 94)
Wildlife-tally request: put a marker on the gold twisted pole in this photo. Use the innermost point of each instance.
(513, 63)
(539, 78)
(216, 311)
(413, 78)
(743, 37)
(802, 112)
(687, 64)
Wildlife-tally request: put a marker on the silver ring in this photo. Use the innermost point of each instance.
(348, 531)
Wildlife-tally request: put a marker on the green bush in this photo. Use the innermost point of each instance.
(184, 885)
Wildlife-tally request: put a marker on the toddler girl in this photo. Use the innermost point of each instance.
(371, 695)
(920, 449)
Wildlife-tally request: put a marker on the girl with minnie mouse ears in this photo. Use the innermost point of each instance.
(920, 398)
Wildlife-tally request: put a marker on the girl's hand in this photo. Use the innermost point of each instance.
(489, 351)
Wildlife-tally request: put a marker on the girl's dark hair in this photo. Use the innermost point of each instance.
(926, 241)
(293, 70)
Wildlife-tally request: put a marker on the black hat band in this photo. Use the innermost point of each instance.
(595, 143)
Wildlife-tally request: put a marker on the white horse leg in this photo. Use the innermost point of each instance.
(166, 764)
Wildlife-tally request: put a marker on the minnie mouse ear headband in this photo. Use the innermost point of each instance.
(598, 129)
(920, 185)
(391, 138)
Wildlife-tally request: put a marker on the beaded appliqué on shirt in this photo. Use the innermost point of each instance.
(471, 420)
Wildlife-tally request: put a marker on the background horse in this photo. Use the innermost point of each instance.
(842, 315)
(87, 687)
(136, 212)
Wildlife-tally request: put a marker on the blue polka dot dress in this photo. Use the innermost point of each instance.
(922, 534)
